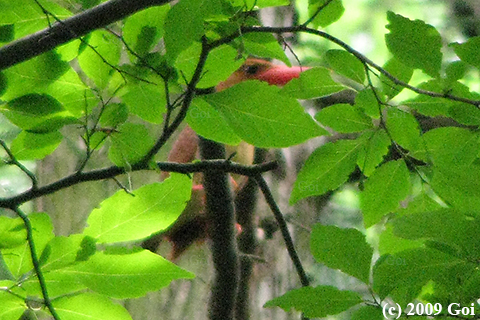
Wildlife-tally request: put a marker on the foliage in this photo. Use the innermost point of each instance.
(421, 187)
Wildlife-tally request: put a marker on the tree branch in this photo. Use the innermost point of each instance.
(284, 229)
(221, 228)
(113, 171)
(245, 203)
(187, 100)
(36, 262)
(71, 28)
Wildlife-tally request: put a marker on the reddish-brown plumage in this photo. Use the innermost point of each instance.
(192, 225)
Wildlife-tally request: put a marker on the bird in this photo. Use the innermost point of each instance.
(192, 225)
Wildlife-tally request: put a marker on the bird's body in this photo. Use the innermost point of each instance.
(192, 225)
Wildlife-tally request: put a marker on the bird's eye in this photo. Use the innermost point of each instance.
(251, 70)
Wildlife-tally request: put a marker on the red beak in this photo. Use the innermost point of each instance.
(280, 75)
(264, 71)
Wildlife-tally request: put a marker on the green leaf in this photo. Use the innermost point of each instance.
(18, 259)
(312, 83)
(404, 274)
(384, 189)
(89, 306)
(35, 146)
(145, 100)
(130, 144)
(414, 43)
(421, 203)
(114, 114)
(183, 26)
(220, 64)
(12, 306)
(455, 70)
(343, 249)
(430, 106)
(403, 128)
(448, 146)
(7, 32)
(248, 4)
(326, 169)
(458, 186)
(59, 283)
(97, 60)
(466, 114)
(346, 64)
(368, 313)
(129, 275)
(206, 121)
(63, 252)
(328, 15)
(88, 248)
(28, 17)
(344, 118)
(468, 51)
(262, 117)
(367, 101)
(3, 83)
(143, 30)
(49, 74)
(127, 217)
(264, 45)
(39, 113)
(392, 244)
(461, 233)
(12, 232)
(317, 302)
(398, 70)
(376, 145)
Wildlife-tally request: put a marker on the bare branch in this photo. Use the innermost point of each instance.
(221, 218)
(284, 229)
(113, 171)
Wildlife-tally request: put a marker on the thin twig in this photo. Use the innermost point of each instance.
(187, 100)
(283, 228)
(36, 263)
(13, 160)
(317, 12)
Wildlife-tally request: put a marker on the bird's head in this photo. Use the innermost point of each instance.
(263, 70)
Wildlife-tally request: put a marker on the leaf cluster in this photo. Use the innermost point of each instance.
(420, 185)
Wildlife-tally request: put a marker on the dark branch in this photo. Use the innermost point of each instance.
(221, 228)
(245, 203)
(113, 171)
(284, 229)
(71, 28)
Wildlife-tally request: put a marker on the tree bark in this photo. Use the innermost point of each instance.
(221, 219)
